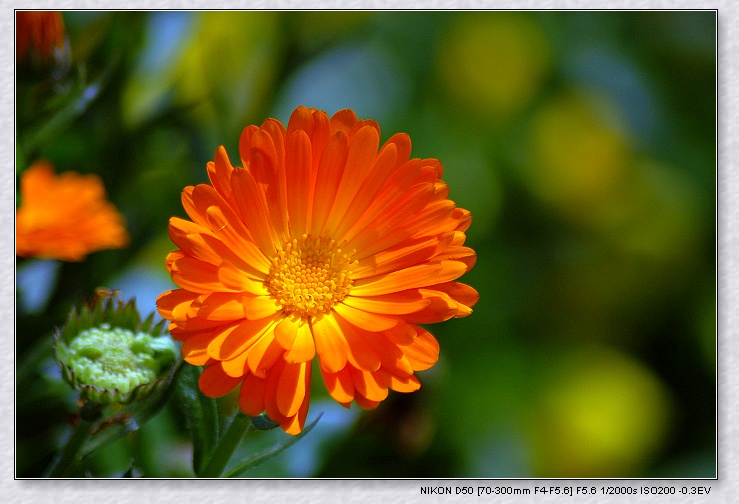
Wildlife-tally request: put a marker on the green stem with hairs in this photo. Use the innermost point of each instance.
(67, 460)
(236, 431)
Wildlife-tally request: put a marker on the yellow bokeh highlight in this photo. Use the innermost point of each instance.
(223, 71)
(578, 153)
(494, 63)
(600, 414)
(655, 215)
(232, 58)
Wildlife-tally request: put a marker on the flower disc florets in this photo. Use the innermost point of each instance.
(310, 275)
(109, 355)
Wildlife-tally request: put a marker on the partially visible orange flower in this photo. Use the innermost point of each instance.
(324, 244)
(65, 217)
(41, 31)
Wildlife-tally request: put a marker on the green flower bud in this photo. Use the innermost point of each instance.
(107, 353)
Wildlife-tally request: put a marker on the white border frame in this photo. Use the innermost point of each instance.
(724, 489)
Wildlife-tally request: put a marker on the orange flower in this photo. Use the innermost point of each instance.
(65, 217)
(321, 245)
(43, 31)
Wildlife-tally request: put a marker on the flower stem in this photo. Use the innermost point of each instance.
(238, 427)
(67, 460)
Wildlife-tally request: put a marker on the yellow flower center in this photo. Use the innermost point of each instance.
(310, 274)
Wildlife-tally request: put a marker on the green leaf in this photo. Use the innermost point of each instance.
(218, 460)
(201, 415)
(267, 454)
(71, 106)
(132, 471)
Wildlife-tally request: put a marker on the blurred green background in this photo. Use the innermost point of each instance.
(583, 143)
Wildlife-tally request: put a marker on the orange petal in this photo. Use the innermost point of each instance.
(286, 331)
(402, 144)
(400, 183)
(195, 245)
(195, 348)
(171, 299)
(192, 210)
(210, 249)
(391, 356)
(214, 347)
(196, 276)
(460, 292)
(462, 254)
(407, 253)
(302, 118)
(339, 384)
(303, 348)
(328, 178)
(365, 403)
(204, 196)
(362, 149)
(276, 130)
(397, 303)
(264, 354)
(253, 210)
(222, 306)
(382, 167)
(251, 395)
(319, 134)
(441, 308)
(330, 344)
(239, 338)
(418, 225)
(183, 311)
(399, 384)
(214, 382)
(402, 334)
(297, 426)
(184, 317)
(409, 278)
(463, 218)
(451, 299)
(273, 396)
(179, 229)
(236, 279)
(268, 172)
(359, 125)
(390, 227)
(434, 219)
(263, 145)
(360, 353)
(219, 172)
(445, 300)
(291, 388)
(258, 307)
(298, 161)
(363, 319)
(231, 231)
(292, 425)
(423, 353)
(236, 367)
(369, 384)
(343, 120)
(272, 380)
(245, 143)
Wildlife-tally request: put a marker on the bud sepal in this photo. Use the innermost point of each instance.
(110, 356)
